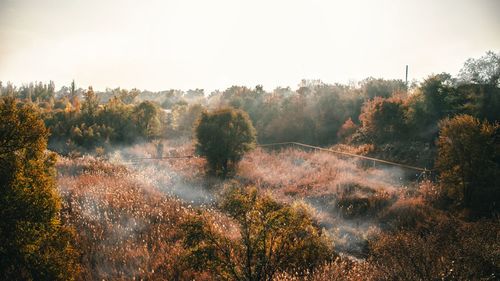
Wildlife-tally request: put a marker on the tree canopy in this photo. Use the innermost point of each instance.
(223, 136)
(273, 237)
(33, 243)
(468, 160)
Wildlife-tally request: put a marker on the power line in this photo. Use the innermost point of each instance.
(349, 155)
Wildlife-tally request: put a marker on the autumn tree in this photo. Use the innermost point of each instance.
(33, 243)
(90, 105)
(383, 120)
(273, 237)
(346, 131)
(223, 136)
(468, 161)
(128, 97)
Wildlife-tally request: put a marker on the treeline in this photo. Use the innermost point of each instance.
(400, 121)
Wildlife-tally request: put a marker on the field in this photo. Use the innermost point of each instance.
(126, 217)
(194, 140)
(126, 212)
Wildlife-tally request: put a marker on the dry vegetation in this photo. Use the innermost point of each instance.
(345, 198)
(374, 214)
(126, 222)
(126, 215)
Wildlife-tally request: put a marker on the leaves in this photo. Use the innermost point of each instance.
(467, 160)
(34, 246)
(223, 136)
(274, 237)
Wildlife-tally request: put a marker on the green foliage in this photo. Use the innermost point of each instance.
(468, 161)
(148, 119)
(223, 136)
(33, 243)
(481, 101)
(273, 237)
(118, 116)
(103, 125)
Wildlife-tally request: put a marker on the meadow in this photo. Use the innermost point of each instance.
(127, 214)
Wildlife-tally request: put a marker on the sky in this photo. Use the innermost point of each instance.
(187, 44)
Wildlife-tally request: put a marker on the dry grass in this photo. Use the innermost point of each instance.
(303, 174)
(346, 198)
(127, 217)
(126, 220)
(342, 269)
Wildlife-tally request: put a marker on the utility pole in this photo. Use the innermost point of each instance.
(406, 80)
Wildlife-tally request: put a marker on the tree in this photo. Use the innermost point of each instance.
(148, 119)
(383, 120)
(485, 70)
(33, 243)
(223, 136)
(436, 90)
(468, 161)
(117, 115)
(184, 118)
(435, 99)
(371, 87)
(346, 131)
(128, 97)
(273, 237)
(90, 105)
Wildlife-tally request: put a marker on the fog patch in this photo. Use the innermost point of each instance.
(158, 173)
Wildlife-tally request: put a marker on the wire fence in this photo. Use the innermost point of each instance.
(348, 154)
(421, 172)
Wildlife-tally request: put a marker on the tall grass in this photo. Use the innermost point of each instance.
(126, 224)
(126, 215)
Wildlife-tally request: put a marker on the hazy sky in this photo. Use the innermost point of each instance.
(218, 43)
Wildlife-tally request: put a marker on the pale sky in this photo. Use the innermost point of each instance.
(214, 44)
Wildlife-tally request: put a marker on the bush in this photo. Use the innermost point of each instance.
(223, 136)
